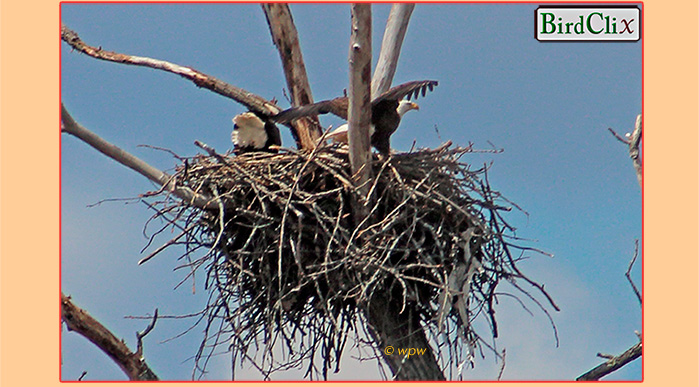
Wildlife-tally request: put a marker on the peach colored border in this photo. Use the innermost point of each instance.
(29, 194)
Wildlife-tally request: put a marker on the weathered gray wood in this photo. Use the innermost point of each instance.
(393, 36)
(613, 363)
(359, 115)
(286, 39)
(244, 97)
(119, 155)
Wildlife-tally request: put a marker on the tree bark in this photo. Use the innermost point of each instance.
(401, 331)
(359, 114)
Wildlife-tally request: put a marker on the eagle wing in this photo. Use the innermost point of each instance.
(337, 106)
(408, 90)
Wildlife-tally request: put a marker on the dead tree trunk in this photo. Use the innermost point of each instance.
(396, 27)
(286, 39)
(390, 328)
(359, 111)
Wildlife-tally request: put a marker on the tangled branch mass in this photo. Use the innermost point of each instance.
(288, 266)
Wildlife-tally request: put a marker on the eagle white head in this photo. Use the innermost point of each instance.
(340, 134)
(248, 131)
(405, 106)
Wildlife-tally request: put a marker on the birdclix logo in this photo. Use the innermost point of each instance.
(574, 23)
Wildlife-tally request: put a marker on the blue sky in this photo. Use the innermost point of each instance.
(548, 105)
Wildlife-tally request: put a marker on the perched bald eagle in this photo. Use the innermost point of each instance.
(340, 134)
(385, 117)
(251, 133)
(256, 130)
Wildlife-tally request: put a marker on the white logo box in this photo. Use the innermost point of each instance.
(588, 23)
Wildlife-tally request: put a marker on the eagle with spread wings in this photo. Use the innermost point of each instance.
(256, 129)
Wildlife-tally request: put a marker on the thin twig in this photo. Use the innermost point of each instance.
(142, 334)
(639, 297)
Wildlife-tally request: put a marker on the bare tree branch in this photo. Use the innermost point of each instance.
(77, 320)
(286, 39)
(633, 141)
(393, 36)
(153, 174)
(613, 363)
(634, 151)
(359, 114)
(141, 335)
(250, 100)
(628, 275)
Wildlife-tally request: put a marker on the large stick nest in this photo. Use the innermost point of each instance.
(290, 270)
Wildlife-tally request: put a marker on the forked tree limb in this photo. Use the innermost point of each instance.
(393, 36)
(613, 364)
(78, 320)
(286, 39)
(119, 155)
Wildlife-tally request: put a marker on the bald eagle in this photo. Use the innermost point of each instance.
(340, 134)
(256, 129)
(385, 117)
(252, 133)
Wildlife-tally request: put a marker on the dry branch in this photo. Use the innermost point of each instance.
(133, 364)
(251, 101)
(639, 297)
(285, 38)
(393, 36)
(110, 150)
(633, 141)
(634, 151)
(613, 364)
